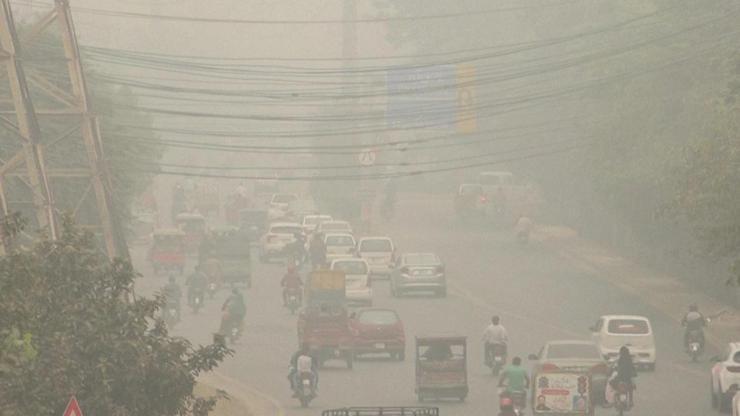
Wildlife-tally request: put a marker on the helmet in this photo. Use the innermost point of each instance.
(505, 403)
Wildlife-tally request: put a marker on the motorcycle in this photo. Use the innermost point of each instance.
(293, 300)
(519, 398)
(230, 328)
(171, 315)
(212, 289)
(295, 254)
(522, 237)
(496, 358)
(695, 345)
(197, 301)
(305, 391)
(621, 398)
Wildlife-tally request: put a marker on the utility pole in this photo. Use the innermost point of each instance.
(72, 100)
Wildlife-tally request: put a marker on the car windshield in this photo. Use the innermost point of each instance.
(327, 226)
(422, 259)
(495, 178)
(286, 229)
(629, 327)
(378, 317)
(283, 198)
(351, 267)
(340, 240)
(376, 246)
(573, 351)
(313, 220)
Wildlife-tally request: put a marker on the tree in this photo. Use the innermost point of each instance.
(72, 326)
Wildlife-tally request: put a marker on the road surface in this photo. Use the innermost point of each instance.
(539, 294)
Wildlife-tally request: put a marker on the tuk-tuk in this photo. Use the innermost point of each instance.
(253, 222)
(194, 227)
(168, 250)
(441, 367)
(230, 248)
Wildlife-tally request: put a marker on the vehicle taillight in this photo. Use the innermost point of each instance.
(548, 367)
(483, 198)
(733, 369)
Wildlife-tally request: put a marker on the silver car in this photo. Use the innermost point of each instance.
(418, 272)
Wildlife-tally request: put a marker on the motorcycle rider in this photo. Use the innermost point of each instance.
(233, 309)
(296, 248)
(494, 335)
(625, 372)
(291, 281)
(523, 227)
(173, 293)
(317, 250)
(196, 282)
(298, 365)
(514, 377)
(694, 321)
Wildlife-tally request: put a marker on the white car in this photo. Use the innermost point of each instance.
(278, 235)
(358, 288)
(612, 332)
(280, 205)
(339, 245)
(334, 226)
(726, 377)
(311, 221)
(379, 253)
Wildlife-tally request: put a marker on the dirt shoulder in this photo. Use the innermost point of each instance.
(663, 292)
(243, 400)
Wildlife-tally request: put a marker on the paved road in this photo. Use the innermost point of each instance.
(540, 295)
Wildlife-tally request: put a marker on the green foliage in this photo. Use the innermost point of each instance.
(77, 328)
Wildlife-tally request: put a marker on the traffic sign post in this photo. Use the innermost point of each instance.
(73, 408)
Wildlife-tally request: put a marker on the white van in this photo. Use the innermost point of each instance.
(611, 332)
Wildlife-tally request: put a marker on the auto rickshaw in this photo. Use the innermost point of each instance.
(441, 367)
(229, 248)
(194, 227)
(168, 250)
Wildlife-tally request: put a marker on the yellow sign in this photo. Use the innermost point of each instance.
(327, 280)
(466, 116)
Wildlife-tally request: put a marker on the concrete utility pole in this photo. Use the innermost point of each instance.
(73, 107)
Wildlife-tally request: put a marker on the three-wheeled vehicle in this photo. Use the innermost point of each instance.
(253, 222)
(562, 393)
(168, 250)
(323, 324)
(194, 227)
(230, 248)
(441, 367)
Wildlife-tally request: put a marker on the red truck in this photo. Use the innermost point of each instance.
(323, 324)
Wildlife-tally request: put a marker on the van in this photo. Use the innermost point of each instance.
(611, 332)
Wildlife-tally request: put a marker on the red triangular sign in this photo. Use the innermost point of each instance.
(73, 408)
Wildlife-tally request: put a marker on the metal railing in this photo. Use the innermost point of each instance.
(383, 411)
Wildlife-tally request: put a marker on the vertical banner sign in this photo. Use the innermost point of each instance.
(73, 408)
(466, 116)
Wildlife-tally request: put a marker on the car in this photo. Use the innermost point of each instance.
(377, 331)
(278, 235)
(726, 377)
(339, 245)
(496, 178)
(471, 200)
(611, 332)
(334, 226)
(358, 290)
(280, 205)
(574, 356)
(379, 253)
(415, 272)
(311, 221)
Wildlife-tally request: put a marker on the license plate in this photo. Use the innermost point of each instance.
(380, 346)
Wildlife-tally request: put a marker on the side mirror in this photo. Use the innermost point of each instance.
(533, 357)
